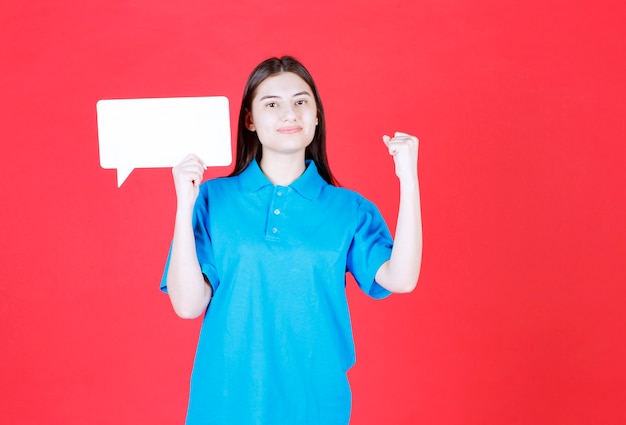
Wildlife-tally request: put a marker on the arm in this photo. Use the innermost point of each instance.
(401, 272)
(189, 292)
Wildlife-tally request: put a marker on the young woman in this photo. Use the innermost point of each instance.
(263, 254)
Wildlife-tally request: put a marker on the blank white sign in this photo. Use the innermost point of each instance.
(160, 132)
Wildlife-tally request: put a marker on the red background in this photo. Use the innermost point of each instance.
(519, 107)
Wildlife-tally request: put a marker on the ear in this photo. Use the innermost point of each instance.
(249, 124)
(315, 120)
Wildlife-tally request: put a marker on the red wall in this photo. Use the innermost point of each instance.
(519, 106)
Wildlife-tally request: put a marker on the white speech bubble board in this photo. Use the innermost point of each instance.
(160, 132)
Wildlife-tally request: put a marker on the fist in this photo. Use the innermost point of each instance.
(403, 148)
(187, 178)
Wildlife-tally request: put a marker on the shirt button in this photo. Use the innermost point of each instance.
(277, 211)
(279, 193)
(274, 230)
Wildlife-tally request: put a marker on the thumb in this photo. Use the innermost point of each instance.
(386, 140)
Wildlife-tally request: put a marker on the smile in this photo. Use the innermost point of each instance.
(290, 129)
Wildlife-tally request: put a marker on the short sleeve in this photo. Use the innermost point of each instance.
(370, 248)
(204, 247)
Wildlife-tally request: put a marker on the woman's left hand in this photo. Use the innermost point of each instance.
(403, 147)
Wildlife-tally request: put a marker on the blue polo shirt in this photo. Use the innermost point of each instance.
(276, 340)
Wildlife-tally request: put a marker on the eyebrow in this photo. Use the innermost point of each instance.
(278, 97)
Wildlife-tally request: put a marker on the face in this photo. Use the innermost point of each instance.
(283, 114)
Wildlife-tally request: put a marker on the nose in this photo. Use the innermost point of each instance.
(289, 112)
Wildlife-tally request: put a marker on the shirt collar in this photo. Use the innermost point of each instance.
(308, 185)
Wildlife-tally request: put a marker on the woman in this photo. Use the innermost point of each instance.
(264, 252)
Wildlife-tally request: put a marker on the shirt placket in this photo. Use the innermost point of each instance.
(275, 214)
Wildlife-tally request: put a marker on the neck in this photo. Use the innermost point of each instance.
(282, 170)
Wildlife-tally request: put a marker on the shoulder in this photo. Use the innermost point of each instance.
(347, 199)
(343, 193)
(218, 189)
(353, 212)
(220, 183)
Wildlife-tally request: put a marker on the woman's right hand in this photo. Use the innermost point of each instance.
(187, 178)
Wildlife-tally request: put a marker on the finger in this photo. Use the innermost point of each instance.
(196, 162)
(194, 166)
(393, 147)
(192, 163)
(399, 134)
(189, 158)
(388, 140)
(193, 158)
(188, 172)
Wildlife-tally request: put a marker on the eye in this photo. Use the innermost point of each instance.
(300, 102)
(271, 104)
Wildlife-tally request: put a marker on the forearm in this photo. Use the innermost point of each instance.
(187, 288)
(401, 272)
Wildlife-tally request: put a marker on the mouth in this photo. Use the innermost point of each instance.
(290, 129)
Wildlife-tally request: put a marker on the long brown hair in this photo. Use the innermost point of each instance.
(248, 144)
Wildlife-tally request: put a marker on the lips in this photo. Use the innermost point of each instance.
(290, 129)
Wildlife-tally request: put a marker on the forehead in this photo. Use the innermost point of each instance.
(284, 84)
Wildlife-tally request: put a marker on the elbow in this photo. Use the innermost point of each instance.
(407, 283)
(398, 281)
(189, 304)
(405, 287)
(188, 310)
(187, 313)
